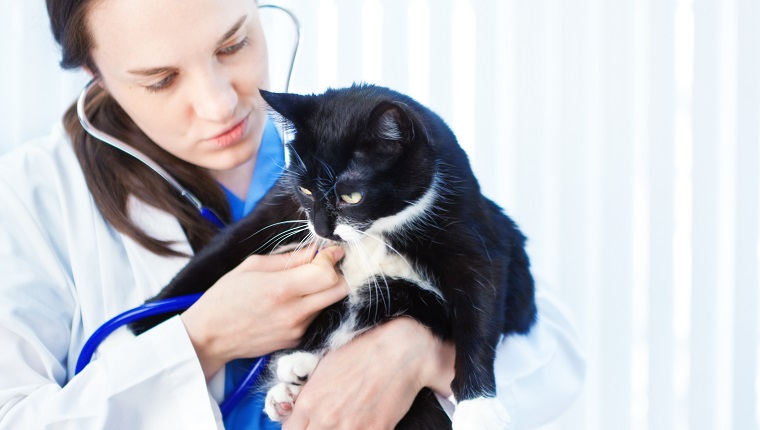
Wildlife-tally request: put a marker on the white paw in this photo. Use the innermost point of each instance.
(296, 368)
(279, 402)
(481, 413)
(293, 370)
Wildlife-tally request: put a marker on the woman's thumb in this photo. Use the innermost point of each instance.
(329, 256)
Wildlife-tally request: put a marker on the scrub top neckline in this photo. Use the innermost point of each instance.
(270, 162)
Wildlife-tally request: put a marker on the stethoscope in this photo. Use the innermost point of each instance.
(176, 303)
(134, 152)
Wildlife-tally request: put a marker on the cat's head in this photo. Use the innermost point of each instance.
(360, 159)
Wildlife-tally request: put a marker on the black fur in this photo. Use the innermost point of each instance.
(393, 150)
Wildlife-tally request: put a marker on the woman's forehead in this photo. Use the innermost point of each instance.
(143, 34)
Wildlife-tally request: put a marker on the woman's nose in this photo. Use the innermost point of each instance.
(215, 98)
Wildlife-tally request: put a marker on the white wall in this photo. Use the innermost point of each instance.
(621, 135)
(33, 90)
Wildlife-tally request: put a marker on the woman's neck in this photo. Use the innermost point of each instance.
(238, 179)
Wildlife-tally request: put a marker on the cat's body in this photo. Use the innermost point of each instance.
(381, 174)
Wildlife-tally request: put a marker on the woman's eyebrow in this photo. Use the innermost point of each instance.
(233, 30)
(152, 71)
(160, 70)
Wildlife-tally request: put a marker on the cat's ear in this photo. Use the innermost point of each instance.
(292, 107)
(392, 122)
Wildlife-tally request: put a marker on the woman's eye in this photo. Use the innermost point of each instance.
(160, 85)
(352, 198)
(234, 48)
(305, 191)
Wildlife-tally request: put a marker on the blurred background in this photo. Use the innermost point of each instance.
(622, 136)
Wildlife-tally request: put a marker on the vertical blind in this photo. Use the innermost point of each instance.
(621, 136)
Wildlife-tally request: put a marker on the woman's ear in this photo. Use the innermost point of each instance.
(92, 75)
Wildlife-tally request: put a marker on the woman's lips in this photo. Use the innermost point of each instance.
(231, 136)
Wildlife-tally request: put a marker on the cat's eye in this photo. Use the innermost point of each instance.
(305, 191)
(352, 198)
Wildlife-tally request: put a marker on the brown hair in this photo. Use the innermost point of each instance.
(113, 176)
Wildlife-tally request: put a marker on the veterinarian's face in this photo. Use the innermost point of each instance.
(187, 72)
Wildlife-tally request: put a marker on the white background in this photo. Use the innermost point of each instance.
(621, 135)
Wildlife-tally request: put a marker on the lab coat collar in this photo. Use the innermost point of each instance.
(152, 271)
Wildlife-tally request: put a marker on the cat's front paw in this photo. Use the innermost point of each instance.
(279, 402)
(481, 413)
(293, 370)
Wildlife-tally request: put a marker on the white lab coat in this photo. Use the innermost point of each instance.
(64, 271)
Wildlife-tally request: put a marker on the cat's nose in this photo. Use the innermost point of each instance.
(326, 229)
(330, 236)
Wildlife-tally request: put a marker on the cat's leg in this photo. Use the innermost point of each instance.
(476, 335)
(477, 410)
(258, 233)
(255, 234)
(292, 370)
(515, 312)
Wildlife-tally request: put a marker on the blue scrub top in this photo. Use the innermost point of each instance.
(269, 164)
(249, 413)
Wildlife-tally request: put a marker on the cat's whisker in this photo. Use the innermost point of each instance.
(365, 260)
(279, 238)
(283, 237)
(287, 232)
(297, 156)
(329, 170)
(375, 272)
(296, 221)
(322, 242)
(305, 242)
(309, 240)
(411, 179)
(352, 247)
(387, 246)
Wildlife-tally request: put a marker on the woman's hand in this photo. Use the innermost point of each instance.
(372, 381)
(263, 305)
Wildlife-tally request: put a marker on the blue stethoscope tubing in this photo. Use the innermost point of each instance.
(176, 303)
(143, 311)
(159, 307)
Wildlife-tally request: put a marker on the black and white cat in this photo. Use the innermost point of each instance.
(382, 175)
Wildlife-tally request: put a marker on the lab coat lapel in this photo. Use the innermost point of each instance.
(152, 272)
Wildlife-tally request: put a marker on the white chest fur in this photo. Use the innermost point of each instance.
(370, 258)
(368, 262)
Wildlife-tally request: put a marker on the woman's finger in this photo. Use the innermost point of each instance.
(279, 262)
(319, 275)
(328, 257)
(297, 422)
(324, 298)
